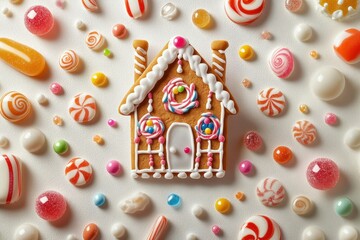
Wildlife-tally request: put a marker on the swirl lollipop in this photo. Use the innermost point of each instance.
(15, 107)
(150, 127)
(282, 62)
(208, 126)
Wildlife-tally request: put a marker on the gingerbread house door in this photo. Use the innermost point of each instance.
(180, 148)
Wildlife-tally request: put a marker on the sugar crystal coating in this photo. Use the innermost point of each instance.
(50, 205)
(39, 20)
(323, 174)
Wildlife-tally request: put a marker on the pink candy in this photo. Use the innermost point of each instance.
(38, 20)
(56, 88)
(330, 119)
(113, 167)
(216, 230)
(112, 123)
(119, 31)
(50, 205)
(253, 141)
(323, 174)
(245, 167)
(179, 42)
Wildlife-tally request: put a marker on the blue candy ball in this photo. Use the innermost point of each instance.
(203, 126)
(211, 126)
(174, 200)
(150, 130)
(99, 199)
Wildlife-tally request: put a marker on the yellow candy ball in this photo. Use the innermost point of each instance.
(99, 79)
(175, 91)
(222, 205)
(149, 123)
(201, 18)
(246, 52)
(208, 131)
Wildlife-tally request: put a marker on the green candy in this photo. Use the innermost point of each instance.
(107, 52)
(61, 146)
(181, 89)
(343, 206)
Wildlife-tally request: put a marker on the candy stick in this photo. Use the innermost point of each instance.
(218, 58)
(140, 61)
(158, 229)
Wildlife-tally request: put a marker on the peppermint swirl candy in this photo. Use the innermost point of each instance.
(304, 132)
(282, 62)
(208, 126)
(69, 61)
(244, 11)
(260, 227)
(90, 5)
(150, 127)
(301, 205)
(95, 40)
(14, 106)
(176, 86)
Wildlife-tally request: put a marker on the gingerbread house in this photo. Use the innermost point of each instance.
(179, 107)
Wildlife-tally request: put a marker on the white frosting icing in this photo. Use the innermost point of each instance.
(168, 56)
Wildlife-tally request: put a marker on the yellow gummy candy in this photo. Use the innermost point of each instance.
(21, 57)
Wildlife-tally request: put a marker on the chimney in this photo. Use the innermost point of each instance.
(218, 58)
(140, 59)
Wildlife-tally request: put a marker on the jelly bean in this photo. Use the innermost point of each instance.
(112, 123)
(118, 230)
(113, 167)
(32, 140)
(246, 52)
(90, 232)
(343, 206)
(26, 232)
(245, 167)
(328, 83)
(174, 200)
(99, 199)
(42, 99)
(331, 119)
(216, 229)
(119, 31)
(282, 154)
(38, 20)
(323, 174)
(56, 89)
(99, 79)
(169, 11)
(3, 142)
(201, 18)
(21, 57)
(50, 205)
(303, 32)
(61, 147)
(222, 205)
(58, 121)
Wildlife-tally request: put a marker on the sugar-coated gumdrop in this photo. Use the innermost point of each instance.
(253, 141)
(38, 20)
(223, 205)
(174, 200)
(26, 231)
(90, 232)
(323, 174)
(50, 205)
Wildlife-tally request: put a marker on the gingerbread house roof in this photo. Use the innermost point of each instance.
(147, 81)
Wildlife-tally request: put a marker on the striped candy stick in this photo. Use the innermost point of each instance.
(218, 58)
(158, 228)
(140, 61)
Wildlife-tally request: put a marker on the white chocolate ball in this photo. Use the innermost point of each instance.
(32, 140)
(197, 211)
(328, 83)
(118, 230)
(26, 231)
(41, 99)
(352, 138)
(303, 32)
(348, 233)
(313, 233)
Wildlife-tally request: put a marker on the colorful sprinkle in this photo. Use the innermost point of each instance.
(107, 52)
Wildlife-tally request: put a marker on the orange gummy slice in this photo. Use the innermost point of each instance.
(21, 57)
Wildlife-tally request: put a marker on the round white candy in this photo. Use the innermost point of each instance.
(79, 24)
(303, 32)
(5, 11)
(168, 11)
(32, 139)
(348, 233)
(197, 211)
(41, 99)
(71, 237)
(328, 83)
(26, 231)
(352, 138)
(118, 230)
(3, 141)
(191, 236)
(313, 233)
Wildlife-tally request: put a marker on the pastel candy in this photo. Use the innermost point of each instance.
(136, 8)
(260, 227)
(69, 61)
(15, 107)
(78, 171)
(304, 132)
(82, 108)
(282, 62)
(347, 45)
(244, 11)
(10, 179)
(90, 5)
(21, 57)
(271, 101)
(94, 40)
(270, 192)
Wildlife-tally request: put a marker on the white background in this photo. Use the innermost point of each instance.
(45, 171)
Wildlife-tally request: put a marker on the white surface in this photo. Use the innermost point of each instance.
(45, 171)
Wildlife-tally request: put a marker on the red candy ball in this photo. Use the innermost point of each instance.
(38, 20)
(282, 154)
(253, 141)
(50, 205)
(119, 31)
(323, 174)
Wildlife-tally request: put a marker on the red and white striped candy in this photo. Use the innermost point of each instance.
(78, 171)
(82, 108)
(260, 227)
(90, 5)
(136, 8)
(158, 229)
(271, 101)
(270, 192)
(304, 132)
(244, 11)
(10, 179)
